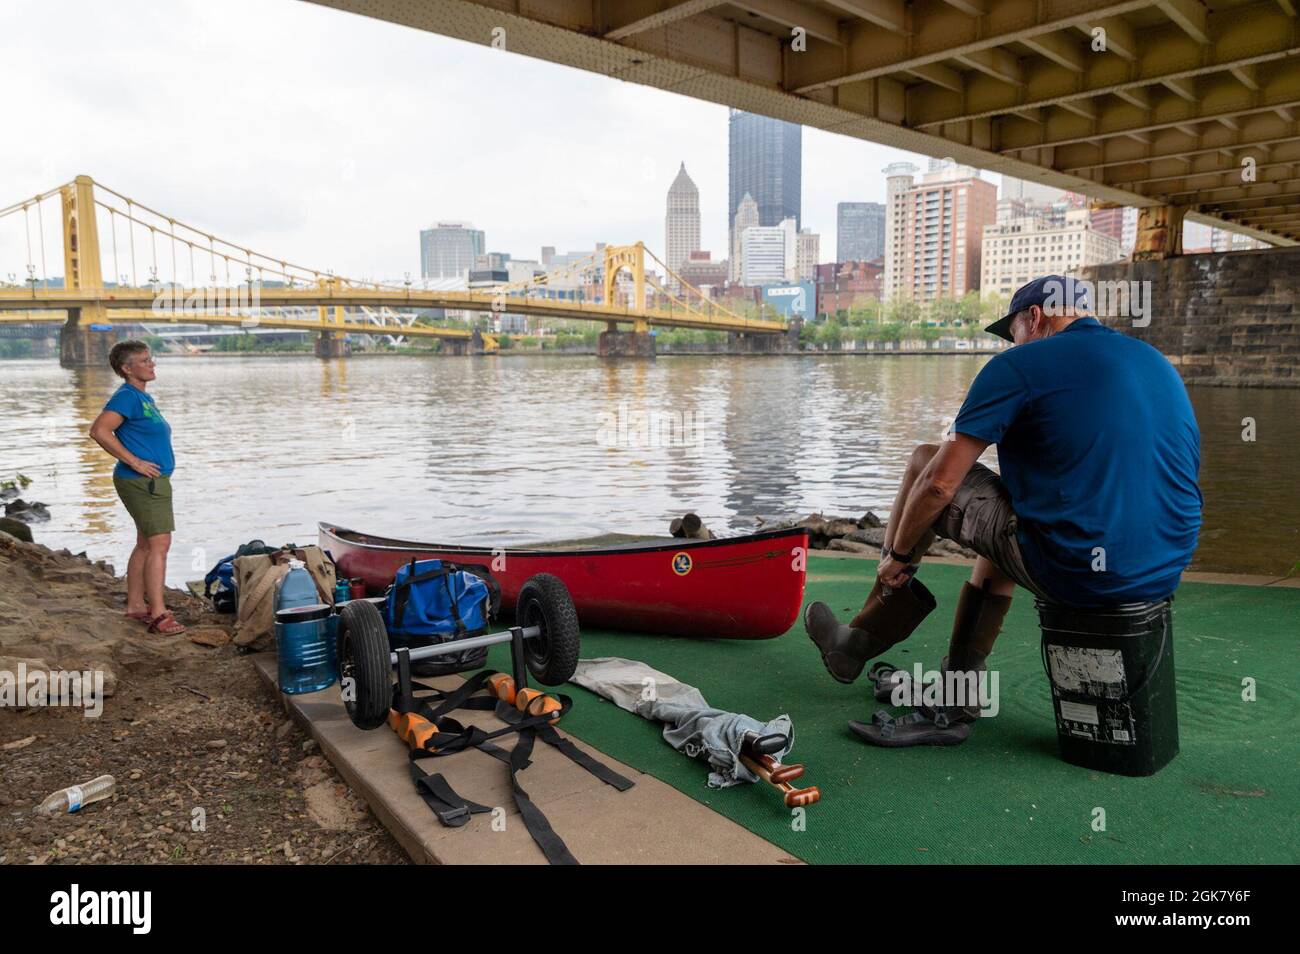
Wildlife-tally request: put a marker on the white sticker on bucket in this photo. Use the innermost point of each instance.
(1089, 672)
(1077, 712)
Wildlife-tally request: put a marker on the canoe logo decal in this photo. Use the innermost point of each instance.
(681, 563)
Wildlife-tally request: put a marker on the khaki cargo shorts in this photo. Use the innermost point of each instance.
(980, 518)
(149, 502)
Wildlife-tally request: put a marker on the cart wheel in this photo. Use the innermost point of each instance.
(544, 601)
(363, 656)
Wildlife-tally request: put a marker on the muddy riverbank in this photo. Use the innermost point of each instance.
(208, 767)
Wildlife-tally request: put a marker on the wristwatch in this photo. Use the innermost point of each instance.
(907, 559)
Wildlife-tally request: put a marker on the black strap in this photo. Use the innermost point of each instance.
(452, 810)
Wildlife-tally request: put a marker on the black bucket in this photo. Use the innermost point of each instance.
(1112, 677)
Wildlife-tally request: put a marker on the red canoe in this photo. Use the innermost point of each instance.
(748, 587)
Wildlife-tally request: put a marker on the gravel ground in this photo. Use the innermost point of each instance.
(208, 767)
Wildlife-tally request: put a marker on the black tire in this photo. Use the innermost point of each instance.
(544, 601)
(363, 656)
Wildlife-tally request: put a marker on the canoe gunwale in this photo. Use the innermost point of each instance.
(367, 541)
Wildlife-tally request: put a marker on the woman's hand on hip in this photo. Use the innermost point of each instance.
(146, 467)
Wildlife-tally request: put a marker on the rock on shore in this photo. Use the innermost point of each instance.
(865, 535)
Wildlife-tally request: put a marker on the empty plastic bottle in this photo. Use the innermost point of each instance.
(76, 797)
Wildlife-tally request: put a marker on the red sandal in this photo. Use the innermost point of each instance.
(164, 624)
(144, 617)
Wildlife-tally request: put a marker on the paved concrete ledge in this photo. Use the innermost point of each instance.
(651, 823)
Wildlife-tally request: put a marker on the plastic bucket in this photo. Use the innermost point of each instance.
(306, 653)
(1112, 677)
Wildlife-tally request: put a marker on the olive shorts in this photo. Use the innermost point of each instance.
(980, 518)
(149, 502)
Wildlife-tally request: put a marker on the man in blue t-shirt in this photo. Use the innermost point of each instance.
(1097, 503)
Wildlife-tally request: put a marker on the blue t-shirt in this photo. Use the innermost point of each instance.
(1098, 448)
(143, 431)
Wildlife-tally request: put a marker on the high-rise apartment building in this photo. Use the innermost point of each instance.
(765, 162)
(898, 179)
(859, 231)
(682, 222)
(935, 228)
(1019, 250)
(746, 217)
(449, 249)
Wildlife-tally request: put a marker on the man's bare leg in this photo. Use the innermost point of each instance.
(916, 465)
(999, 584)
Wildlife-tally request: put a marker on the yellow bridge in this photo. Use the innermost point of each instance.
(275, 294)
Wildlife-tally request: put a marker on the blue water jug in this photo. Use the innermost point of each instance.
(296, 588)
(306, 653)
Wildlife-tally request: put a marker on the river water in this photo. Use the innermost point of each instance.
(529, 448)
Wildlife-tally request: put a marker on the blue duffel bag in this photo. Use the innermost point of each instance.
(435, 602)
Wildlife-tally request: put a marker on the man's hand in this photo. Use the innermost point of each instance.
(892, 573)
(146, 467)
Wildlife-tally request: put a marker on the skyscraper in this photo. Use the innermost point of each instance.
(765, 162)
(682, 222)
(859, 231)
(449, 249)
(746, 217)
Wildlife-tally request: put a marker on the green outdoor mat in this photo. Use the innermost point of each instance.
(1004, 796)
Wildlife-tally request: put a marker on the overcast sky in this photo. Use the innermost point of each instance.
(331, 139)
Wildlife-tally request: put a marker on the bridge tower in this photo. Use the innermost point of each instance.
(637, 343)
(86, 336)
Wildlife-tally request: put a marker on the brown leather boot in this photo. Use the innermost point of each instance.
(888, 617)
(975, 628)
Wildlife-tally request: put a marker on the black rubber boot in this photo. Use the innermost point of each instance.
(975, 628)
(888, 617)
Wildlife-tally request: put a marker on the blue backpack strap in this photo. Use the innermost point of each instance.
(213, 574)
(402, 589)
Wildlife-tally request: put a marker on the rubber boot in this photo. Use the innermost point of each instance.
(887, 618)
(975, 628)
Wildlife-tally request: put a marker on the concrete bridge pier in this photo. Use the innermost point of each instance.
(740, 343)
(331, 344)
(613, 343)
(81, 346)
(457, 347)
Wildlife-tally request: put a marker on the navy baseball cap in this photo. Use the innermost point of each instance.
(1057, 290)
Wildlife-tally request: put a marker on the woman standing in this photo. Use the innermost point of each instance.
(132, 429)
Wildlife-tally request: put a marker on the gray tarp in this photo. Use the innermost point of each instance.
(692, 726)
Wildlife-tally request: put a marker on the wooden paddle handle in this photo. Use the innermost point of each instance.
(793, 797)
(770, 770)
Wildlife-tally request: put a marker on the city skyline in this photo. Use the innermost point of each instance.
(357, 172)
